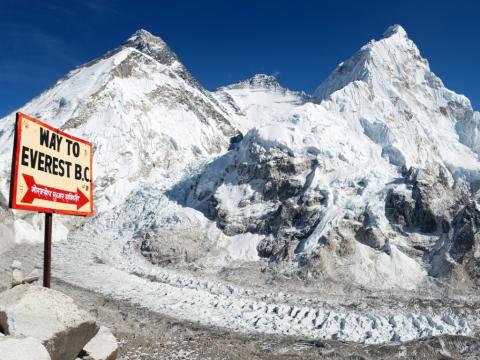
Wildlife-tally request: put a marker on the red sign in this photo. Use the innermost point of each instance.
(51, 170)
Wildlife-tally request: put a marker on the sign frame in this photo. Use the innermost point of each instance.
(15, 165)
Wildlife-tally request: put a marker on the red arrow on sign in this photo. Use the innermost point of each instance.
(36, 191)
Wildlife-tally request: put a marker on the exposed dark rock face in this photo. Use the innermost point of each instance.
(465, 242)
(235, 140)
(429, 203)
(153, 46)
(400, 208)
(276, 199)
(432, 204)
(373, 237)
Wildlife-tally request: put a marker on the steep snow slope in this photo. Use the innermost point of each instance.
(258, 100)
(402, 105)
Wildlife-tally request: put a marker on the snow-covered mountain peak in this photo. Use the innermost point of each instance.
(373, 62)
(142, 34)
(259, 98)
(387, 84)
(395, 30)
(317, 179)
(258, 81)
(140, 106)
(153, 46)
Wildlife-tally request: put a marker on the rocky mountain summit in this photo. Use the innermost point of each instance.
(258, 81)
(371, 184)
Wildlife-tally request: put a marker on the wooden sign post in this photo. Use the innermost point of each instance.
(51, 173)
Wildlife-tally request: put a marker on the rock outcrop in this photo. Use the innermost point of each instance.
(22, 348)
(263, 189)
(49, 316)
(427, 201)
(103, 346)
(465, 244)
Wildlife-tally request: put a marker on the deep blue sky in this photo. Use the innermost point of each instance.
(224, 41)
